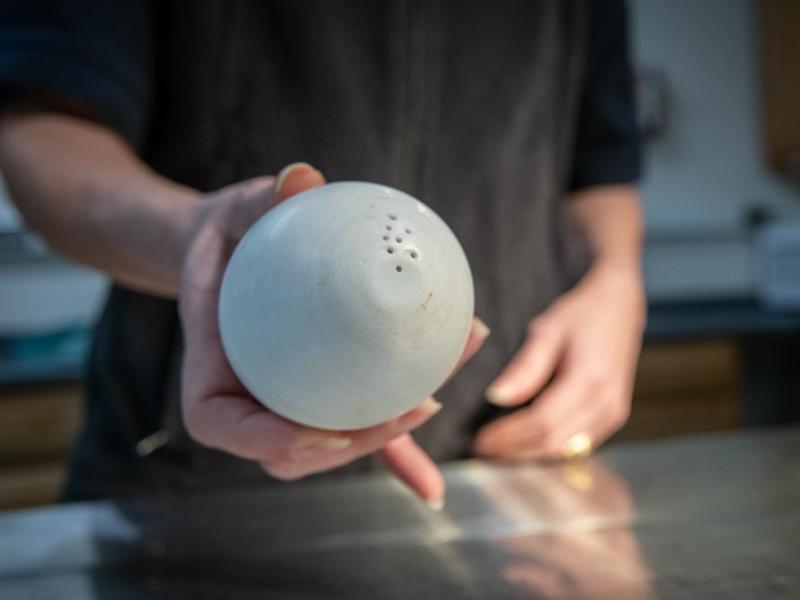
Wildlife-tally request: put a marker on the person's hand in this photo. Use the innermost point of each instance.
(578, 362)
(219, 412)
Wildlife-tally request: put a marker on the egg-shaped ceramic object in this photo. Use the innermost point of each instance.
(346, 305)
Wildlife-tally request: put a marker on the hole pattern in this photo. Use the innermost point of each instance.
(398, 239)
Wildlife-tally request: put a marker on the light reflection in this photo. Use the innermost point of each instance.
(589, 549)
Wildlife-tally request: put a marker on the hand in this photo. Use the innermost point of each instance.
(588, 342)
(217, 409)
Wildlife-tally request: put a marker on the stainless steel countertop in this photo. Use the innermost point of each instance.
(702, 517)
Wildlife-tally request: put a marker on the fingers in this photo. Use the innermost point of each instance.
(205, 369)
(243, 427)
(604, 412)
(569, 406)
(254, 197)
(246, 202)
(531, 367)
(296, 178)
(372, 439)
(477, 336)
(402, 454)
(415, 468)
(533, 425)
(288, 450)
(362, 443)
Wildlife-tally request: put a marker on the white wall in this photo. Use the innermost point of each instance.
(708, 167)
(43, 296)
(39, 295)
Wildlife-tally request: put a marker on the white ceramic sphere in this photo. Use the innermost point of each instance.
(346, 305)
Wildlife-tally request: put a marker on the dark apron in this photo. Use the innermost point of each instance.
(468, 105)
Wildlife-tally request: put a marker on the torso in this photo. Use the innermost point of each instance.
(471, 109)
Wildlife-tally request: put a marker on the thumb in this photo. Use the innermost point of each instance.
(295, 178)
(415, 468)
(252, 198)
(531, 367)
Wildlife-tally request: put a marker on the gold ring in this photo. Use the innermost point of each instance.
(578, 446)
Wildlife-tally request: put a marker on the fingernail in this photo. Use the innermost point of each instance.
(417, 415)
(285, 173)
(481, 329)
(437, 504)
(321, 447)
(337, 442)
(498, 395)
(430, 406)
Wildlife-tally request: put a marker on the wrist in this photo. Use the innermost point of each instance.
(161, 212)
(622, 279)
(618, 267)
(181, 206)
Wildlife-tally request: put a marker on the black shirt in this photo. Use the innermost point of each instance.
(102, 54)
(488, 113)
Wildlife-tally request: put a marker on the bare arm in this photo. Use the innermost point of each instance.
(83, 188)
(610, 217)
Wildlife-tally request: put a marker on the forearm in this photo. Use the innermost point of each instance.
(82, 187)
(610, 219)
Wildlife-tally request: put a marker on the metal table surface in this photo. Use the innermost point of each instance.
(701, 517)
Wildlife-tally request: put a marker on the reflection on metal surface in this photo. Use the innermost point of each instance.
(717, 517)
(597, 553)
(578, 475)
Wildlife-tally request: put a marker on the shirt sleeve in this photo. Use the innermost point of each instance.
(96, 52)
(608, 147)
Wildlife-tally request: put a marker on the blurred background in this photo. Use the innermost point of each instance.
(719, 96)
